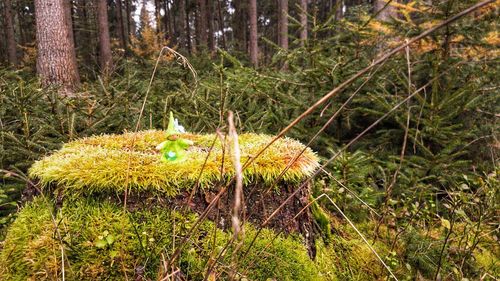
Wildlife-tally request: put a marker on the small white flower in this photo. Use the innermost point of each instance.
(171, 154)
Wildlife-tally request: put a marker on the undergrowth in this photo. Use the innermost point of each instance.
(436, 198)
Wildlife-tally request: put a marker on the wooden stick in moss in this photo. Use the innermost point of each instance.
(238, 231)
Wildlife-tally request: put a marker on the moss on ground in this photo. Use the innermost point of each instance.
(110, 163)
(101, 241)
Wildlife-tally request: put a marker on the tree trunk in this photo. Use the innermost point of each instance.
(56, 61)
(158, 17)
(384, 14)
(172, 23)
(201, 21)
(210, 20)
(83, 30)
(68, 8)
(168, 22)
(191, 47)
(339, 12)
(121, 29)
(130, 30)
(184, 22)
(240, 25)
(303, 22)
(220, 21)
(9, 30)
(283, 24)
(105, 56)
(254, 49)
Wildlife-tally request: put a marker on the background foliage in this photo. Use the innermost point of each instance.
(437, 204)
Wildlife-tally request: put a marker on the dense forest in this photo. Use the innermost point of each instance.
(320, 140)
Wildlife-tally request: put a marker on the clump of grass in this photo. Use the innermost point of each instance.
(101, 163)
(348, 258)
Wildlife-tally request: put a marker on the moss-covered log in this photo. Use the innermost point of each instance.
(85, 232)
(100, 241)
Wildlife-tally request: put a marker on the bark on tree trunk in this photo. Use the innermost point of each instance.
(68, 8)
(130, 30)
(158, 16)
(168, 22)
(105, 56)
(201, 21)
(283, 24)
(303, 22)
(254, 49)
(240, 25)
(84, 30)
(221, 24)
(9, 30)
(191, 47)
(339, 12)
(210, 19)
(184, 22)
(56, 61)
(121, 29)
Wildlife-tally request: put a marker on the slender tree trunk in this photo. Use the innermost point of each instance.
(130, 30)
(303, 22)
(240, 25)
(201, 22)
(68, 8)
(121, 29)
(9, 30)
(191, 47)
(105, 56)
(210, 20)
(184, 28)
(384, 14)
(171, 23)
(339, 12)
(254, 49)
(22, 29)
(221, 24)
(168, 23)
(158, 16)
(85, 35)
(56, 61)
(283, 24)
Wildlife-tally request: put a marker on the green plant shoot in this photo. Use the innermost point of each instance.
(174, 148)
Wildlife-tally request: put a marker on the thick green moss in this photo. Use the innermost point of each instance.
(115, 162)
(101, 241)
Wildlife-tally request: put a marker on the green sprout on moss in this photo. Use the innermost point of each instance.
(104, 240)
(174, 148)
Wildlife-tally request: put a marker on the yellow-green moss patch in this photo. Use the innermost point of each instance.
(111, 162)
(101, 241)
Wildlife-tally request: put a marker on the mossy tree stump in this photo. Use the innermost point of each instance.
(98, 239)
